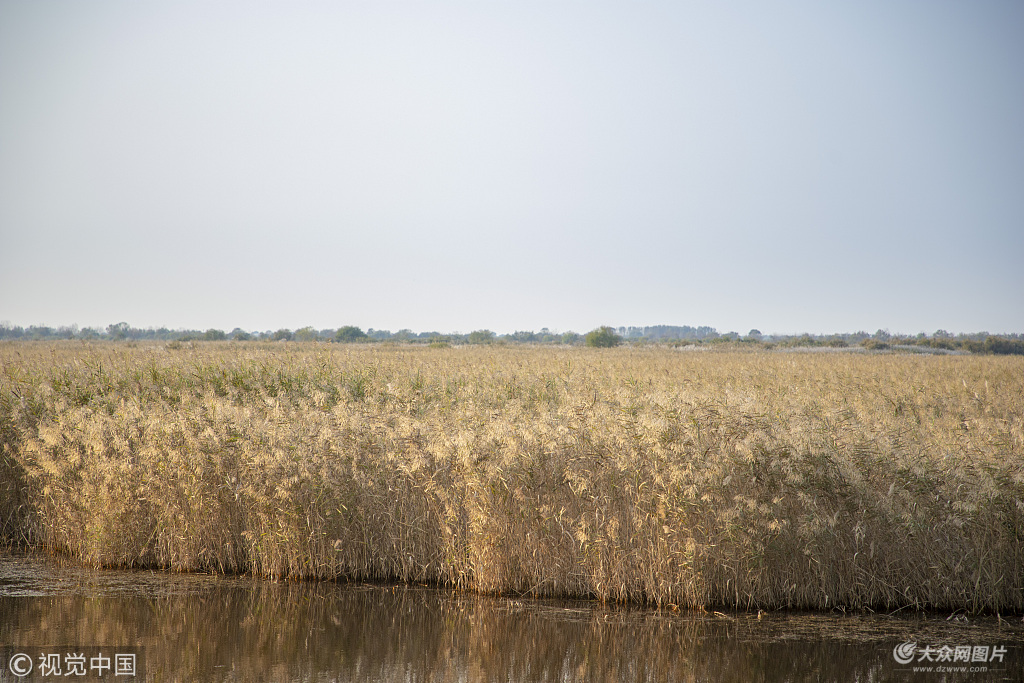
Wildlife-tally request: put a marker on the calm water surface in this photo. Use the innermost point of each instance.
(214, 628)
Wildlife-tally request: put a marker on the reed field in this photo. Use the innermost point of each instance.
(684, 479)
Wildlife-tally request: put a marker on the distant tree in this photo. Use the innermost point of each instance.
(9, 331)
(603, 337)
(570, 338)
(306, 334)
(118, 331)
(214, 335)
(238, 334)
(1004, 346)
(284, 334)
(481, 337)
(524, 336)
(804, 339)
(39, 332)
(754, 337)
(349, 333)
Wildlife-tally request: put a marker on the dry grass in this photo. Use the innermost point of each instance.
(752, 480)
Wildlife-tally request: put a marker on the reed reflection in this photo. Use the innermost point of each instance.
(205, 628)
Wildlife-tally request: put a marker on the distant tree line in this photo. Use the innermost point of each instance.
(667, 333)
(881, 340)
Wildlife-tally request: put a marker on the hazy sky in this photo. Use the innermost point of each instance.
(790, 166)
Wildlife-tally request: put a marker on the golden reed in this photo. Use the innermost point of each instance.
(741, 479)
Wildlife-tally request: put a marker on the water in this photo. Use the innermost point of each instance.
(215, 628)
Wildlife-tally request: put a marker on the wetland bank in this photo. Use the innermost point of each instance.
(648, 476)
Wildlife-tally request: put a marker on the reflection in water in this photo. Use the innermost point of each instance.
(209, 628)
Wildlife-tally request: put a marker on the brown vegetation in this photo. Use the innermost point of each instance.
(679, 478)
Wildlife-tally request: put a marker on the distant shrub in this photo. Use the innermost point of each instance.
(603, 337)
(1002, 346)
(571, 338)
(805, 340)
(481, 337)
(350, 333)
(306, 334)
(874, 345)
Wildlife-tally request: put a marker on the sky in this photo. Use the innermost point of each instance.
(453, 166)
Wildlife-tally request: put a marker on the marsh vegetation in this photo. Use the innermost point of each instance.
(739, 479)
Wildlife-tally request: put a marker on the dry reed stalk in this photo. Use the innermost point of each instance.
(752, 480)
